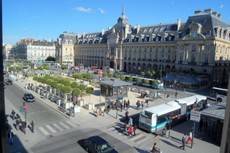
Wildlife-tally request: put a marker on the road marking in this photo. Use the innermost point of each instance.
(51, 129)
(71, 124)
(57, 127)
(64, 125)
(43, 131)
(142, 137)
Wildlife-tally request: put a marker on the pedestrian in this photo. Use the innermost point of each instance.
(124, 103)
(134, 130)
(183, 142)
(130, 121)
(142, 104)
(138, 104)
(10, 137)
(32, 126)
(155, 149)
(130, 130)
(176, 94)
(147, 102)
(128, 104)
(126, 117)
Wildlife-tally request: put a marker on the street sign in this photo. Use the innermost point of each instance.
(21, 109)
(195, 116)
(26, 107)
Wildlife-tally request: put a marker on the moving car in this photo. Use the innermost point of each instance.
(28, 97)
(96, 144)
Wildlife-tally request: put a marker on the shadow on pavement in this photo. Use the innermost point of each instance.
(183, 127)
(170, 143)
(141, 150)
(17, 146)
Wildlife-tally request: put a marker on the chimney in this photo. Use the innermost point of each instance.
(197, 12)
(138, 28)
(218, 15)
(208, 11)
(214, 13)
(178, 24)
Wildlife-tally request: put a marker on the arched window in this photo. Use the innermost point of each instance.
(193, 48)
(220, 33)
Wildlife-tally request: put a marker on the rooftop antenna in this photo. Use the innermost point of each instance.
(123, 10)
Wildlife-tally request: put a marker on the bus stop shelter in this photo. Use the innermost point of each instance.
(114, 88)
(211, 122)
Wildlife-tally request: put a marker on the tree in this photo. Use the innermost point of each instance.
(66, 89)
(89, 90)
(74, 85)
(76, 76)
(63, 67)
(50, 58)
(76, 92)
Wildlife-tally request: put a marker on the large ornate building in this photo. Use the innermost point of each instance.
(201, 44)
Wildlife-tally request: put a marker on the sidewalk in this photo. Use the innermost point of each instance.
(22, 141)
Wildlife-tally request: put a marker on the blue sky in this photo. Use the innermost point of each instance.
(46, 19)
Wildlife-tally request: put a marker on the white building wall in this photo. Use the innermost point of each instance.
(39, 53)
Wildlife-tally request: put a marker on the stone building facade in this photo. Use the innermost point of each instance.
(65, 48)
(200, 45)
(7, 51)
(34, 50)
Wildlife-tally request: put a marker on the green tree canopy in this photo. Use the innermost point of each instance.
(76, 92)
(89, 90)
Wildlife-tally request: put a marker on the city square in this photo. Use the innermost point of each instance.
(160, 88)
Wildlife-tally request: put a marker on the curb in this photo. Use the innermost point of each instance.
(46, 102)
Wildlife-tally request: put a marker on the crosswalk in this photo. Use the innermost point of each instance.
(52, 128)
(138, 138)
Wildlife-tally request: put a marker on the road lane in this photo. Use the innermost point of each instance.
(38, 112)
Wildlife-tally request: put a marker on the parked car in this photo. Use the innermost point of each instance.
(96, 144)
(28, 97)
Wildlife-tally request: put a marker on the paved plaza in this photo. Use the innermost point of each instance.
(53, 125)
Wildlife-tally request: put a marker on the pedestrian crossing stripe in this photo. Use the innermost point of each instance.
(64, 125)
(70, 123)
(43, 131)
(57, 127)
(138, 138)
(51, 129)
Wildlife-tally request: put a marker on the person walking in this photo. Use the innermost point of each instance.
(128, 104)
(183, 142)
(142, 104)
(134, 130)
(32, 126)
(155, 149)
(130, 121)
(124, 103)
(126, 117)
(10, 137)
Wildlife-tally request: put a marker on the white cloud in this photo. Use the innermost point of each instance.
(84, 9)
(221, 6)
(101, 10)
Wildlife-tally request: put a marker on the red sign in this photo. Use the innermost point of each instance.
(26, 107)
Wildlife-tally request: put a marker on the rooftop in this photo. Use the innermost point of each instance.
(216, 111)
(115, 82)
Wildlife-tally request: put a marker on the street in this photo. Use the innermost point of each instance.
(67, 143)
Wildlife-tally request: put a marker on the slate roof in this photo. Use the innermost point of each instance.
(208, 22)
(216, 111)
(115, 83)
